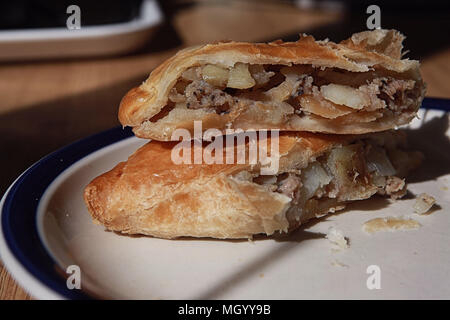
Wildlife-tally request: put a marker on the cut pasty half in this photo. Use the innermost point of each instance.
(317, 174)
(359, 85)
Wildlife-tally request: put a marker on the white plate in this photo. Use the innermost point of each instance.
(303, 265)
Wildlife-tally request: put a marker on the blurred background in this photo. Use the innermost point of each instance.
(58, 85)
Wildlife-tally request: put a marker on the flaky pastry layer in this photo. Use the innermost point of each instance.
(359, 85)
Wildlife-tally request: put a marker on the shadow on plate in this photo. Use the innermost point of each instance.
(431, 139)
(253, 268)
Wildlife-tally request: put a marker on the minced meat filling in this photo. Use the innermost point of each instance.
(220, 89)
(200, 94)
(360, 173)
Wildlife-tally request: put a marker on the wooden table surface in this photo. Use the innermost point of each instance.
(45, 105)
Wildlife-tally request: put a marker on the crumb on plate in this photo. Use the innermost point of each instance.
(336, 263)
(390, 224)
(423, 203)
(336, 237)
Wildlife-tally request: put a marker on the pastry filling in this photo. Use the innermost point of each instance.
(345, 173)
(299, 89)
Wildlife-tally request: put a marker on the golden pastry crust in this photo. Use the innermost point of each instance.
(143, 108)
(150, 194)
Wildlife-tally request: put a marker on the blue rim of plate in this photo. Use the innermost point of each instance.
(21, 202)
(18, 215)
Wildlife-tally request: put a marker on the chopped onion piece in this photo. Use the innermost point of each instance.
(377, 161)
(313, 178)
(215, 75)
(260, 75)
(240, 77)
(285, 89)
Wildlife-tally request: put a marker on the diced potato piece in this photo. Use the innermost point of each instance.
(322, 107)
(215, 75)
(191, 74)
(345, 95)
(268, 113)
(240, 77)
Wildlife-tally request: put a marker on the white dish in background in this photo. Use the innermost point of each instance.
(304, 265)
(61, 42)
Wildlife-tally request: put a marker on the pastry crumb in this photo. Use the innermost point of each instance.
(390, 224)
(337, 238)
(336, 263)
(395, 187)
(423, 204)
